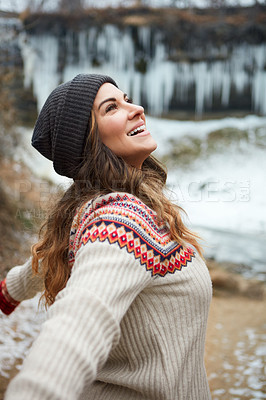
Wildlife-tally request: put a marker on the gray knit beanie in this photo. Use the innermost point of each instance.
(61, 128)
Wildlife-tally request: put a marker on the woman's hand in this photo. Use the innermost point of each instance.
(7, 303)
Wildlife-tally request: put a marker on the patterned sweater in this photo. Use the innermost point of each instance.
(130, 323)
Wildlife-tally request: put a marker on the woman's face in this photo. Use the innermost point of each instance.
(122, 125)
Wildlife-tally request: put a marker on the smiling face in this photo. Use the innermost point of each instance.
(122, 125)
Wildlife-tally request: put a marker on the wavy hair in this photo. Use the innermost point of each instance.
(101, 172)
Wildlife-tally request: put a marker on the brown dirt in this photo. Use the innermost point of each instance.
(235, 334)
(235, 346)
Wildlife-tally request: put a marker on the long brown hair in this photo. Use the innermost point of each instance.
(101, 172)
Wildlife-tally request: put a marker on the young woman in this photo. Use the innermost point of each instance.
(128, 290)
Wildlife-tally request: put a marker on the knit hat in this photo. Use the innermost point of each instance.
(61, 128)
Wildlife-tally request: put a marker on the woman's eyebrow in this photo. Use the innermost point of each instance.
(105, 101)
(109, 99)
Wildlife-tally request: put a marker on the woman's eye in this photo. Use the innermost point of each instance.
(129, 100)
(111, 107)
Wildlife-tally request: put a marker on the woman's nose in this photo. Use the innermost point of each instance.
(135, 110)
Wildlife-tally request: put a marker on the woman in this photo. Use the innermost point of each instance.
(129, 296)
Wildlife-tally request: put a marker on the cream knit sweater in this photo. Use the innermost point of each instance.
(130, 323)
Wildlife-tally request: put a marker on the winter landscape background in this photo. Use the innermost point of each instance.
(205, 96)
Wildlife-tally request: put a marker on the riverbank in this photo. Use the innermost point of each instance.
(235, 348)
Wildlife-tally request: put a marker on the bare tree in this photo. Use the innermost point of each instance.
(35, 5)
(70, 6)
(218, 3)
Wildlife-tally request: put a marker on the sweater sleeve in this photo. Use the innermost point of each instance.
(20, 284)
(82, 324)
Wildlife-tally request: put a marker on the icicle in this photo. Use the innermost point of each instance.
(144, 35)
(259, 80)
(40, 57)
(226, 85)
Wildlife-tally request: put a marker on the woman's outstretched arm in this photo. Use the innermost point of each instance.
(20, 284)
(82, 324)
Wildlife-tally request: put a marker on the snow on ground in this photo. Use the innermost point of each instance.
(163, 130)
(226, 191)
(17, 332)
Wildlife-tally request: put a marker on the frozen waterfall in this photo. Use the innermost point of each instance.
(140, 62)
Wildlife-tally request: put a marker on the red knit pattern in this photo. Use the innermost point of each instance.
(154, 261)
(7, 303)
(124, 219)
